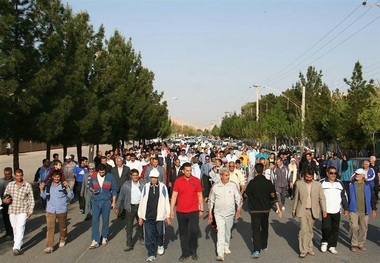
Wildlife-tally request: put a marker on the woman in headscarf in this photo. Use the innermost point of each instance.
(346, 170)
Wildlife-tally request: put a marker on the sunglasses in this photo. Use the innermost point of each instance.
(332, 173)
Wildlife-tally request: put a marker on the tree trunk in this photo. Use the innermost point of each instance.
(16, 152)
(64, 151)
(48, 150)
(79, 151)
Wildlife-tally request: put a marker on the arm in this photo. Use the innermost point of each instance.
(344, 201)
(200, 204)
(70, 193)
(211, 201)
(173, 202)
(30, 201)
(120, 199)
(238, 202)
(322, 201)
(296, 197)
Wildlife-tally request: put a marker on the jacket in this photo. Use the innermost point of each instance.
(163, 209)
(369, 198)
(124, 198)
(107, 191)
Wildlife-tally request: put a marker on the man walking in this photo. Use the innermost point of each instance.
(3, 185)
(309, 199)
(129, 200)
(222, 200)
(56, 209)
(261, 197)
(79, 171)
(104, 189)
(154, 210)
(19, 195)
(187, 195)
(335, 198)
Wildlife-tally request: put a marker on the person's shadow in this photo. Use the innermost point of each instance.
(242, 227)
(288, 231)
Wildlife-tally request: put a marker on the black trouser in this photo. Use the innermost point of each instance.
(330, 229)
(131, 216)
(188, 227)
(7, 222)
(259, 225)
(78, 187)
(206, 185)
(376, 188)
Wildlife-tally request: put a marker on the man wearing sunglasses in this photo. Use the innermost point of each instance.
(335, 198)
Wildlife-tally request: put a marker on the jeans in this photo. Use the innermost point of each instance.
(18, 224)
(50, 227)
(188, 227)
(154, 230)
(100, 208)
(224, 224)
(330, 229)
(131, 216)
(259, 225)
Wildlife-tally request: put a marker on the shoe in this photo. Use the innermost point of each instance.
(151, 259)
(333, 250)
(62, 243)
(255, 254)
(362, 248)
(219, 258)
(94, 244)
(227, 250)
(283, 208)
(265, 249)
(88, 217)
(277, 211)
(183, 257)
(48, 250)
(81, 211)
(311, 253)
(104, 241)
(160, 250)
(324, 247)
(354, 248)
(142, 241)
(16, 252)
(303, 255)
(128, 249)
(194, 257)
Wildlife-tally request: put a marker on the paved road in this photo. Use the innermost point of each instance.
(283, 241)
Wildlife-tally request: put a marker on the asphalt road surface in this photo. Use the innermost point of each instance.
(283, 237)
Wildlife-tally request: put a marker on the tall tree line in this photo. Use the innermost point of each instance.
(62, 82)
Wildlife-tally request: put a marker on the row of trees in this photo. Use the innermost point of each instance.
(63, 82)
(350, 119)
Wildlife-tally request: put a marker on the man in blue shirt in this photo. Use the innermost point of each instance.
(79, 171)
(56, 209)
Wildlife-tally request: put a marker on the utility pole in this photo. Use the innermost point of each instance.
(257, 101)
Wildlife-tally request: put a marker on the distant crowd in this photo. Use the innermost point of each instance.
(155, 184)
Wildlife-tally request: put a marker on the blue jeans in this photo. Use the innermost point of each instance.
(154, 230)
(100, 208)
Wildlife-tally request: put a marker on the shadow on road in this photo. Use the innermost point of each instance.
(242, 227)
(288, 231)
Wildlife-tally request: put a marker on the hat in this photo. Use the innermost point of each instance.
(292, 159)
(68, 156)
(360, 171)
(154, 173)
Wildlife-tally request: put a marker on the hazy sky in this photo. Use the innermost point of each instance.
(208, 53)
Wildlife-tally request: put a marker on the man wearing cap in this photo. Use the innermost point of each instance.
(309, 200)
(85, 191)
(335, 198)
(129, 200)
(153, 210)
(361, 203)
(68, 167)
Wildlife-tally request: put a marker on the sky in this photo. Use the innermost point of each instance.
(209, 53)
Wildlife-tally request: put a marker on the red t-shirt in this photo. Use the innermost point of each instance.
(187, 199)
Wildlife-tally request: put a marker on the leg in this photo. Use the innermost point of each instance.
(256, 231)
(87, 197)
(278, 192)
(50, 228)
(229, 223)
(194, 229)
(80, 198)
(183, 229)
(264, 230)
(62, 222)
(326, 229)
(7, 222)
(354, 229)
(150, 229)
(333, 238)
(311, 232)
(96, 210)
(160, 232)
(363, 228)
(140, 228)
(129, 226)
(106, 209)
(18, 223)
(283, 194)
(220, 221)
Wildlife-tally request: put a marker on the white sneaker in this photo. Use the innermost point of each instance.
(62, 243)
(94, 244)
(227, 250)
(324, 247)
(333, 250)
(151, 259)
(283, 208)
(104, 241)
(160, 250)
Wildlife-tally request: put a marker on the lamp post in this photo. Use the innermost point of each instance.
(257, 101)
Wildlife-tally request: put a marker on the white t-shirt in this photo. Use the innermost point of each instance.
(100, 180)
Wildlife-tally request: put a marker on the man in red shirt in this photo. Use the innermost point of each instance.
(187, 194)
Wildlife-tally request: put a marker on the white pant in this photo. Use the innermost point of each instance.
(224, 224)
(18, 224)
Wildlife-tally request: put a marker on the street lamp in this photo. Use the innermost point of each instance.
(257, 101)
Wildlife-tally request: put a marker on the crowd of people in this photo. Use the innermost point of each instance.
(154, 185)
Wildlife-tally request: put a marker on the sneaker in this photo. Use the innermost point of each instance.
(283, 208)
(219, 258)
(62, 243)
(303, 255)
(48, 250)
(333, 250)
(265, 249)
(227, 250)
(142, 241)
(311, 253)
(160, 250)
(81, 211)
(94, 244)
(183, 257)
(104, 241)
(151, 259)
(324, 247)
(255, 254)
(16, 252)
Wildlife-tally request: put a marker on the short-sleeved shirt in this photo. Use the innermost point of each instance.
(187, 199)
